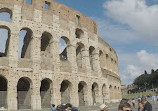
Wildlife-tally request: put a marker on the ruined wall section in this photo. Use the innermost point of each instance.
(55, 22)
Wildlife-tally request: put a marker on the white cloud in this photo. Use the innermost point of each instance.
(136, 14)
(115, 32)
(136, 65)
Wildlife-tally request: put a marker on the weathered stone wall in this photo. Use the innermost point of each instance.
(94, 64)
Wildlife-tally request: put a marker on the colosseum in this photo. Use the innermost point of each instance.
(85, 73)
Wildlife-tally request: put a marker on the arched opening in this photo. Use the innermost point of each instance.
(104, 93)
(63, 50)
(111, 91)
(65, 91)
(91, 56)
(4, 40)
(45, 41)
(46, 51)
(79, 54)
(3, 92)
(5, 14)
(45, 92)
(24, 93)
(82, 93)
(24, 47)
(79, 34)
(95, 92)
(101, 59)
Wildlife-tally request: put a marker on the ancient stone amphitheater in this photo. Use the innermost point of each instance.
(84, 74)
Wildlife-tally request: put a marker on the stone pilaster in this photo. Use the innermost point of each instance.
(71, 53)
(35, 97)
(12, 94)
(89, 95)
(96, 65)
(86, 61)
(13, 49)
(74, 94)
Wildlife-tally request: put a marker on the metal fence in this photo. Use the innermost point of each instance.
(3, 99)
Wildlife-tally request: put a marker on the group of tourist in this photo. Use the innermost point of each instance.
(63, 107)
(143, 105)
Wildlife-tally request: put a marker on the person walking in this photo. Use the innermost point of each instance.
(146, 104)
(133, 102)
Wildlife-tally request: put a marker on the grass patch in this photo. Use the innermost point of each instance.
(129, 96)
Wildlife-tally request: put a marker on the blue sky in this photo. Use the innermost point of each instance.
(130, 27)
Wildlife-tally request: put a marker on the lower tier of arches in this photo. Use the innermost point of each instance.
(29, 90)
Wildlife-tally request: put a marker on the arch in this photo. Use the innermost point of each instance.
(107, 56)
(101, 59)
(79, 54)
(3, 92)
(24, 47)
(45, 41)
(95, 92)
(63, 48)
(115, 87)
(91, 56)
(65, 90)
(5, 14)
(110, 87)
(79, 33)
(82, 93)
(24, 87)
(4, 36)
(104, 92)
(45, 93)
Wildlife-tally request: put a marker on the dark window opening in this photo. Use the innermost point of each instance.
(65, 90)
(3, 92)
(45, 40)
(24, 93)
(45, 93)
(79, 34)
(77, 19)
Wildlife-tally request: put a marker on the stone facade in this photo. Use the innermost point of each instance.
(85, 73)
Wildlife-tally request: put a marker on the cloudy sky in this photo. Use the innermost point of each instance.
(130, 27)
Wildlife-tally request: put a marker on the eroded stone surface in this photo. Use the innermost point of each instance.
(85, 73)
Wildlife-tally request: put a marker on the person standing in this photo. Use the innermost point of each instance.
(124, 106)
(140, 105)
(133, 102)
(154, 99)
(146, 104)
(53, 108)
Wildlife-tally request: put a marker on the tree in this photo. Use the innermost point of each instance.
(142, 81)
